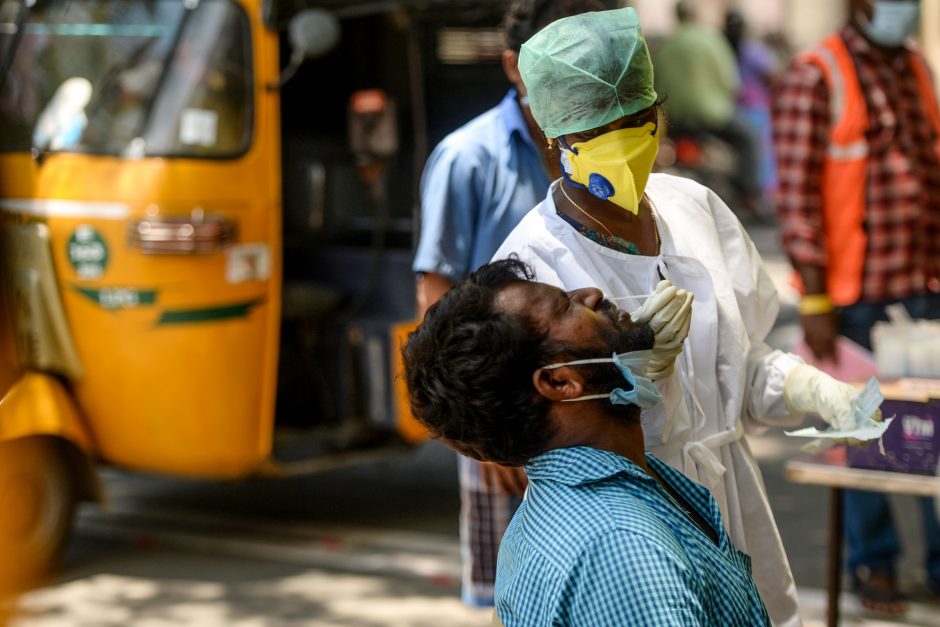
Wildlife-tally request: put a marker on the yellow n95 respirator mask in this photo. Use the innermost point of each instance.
(614, 166)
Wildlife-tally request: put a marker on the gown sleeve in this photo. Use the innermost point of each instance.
(757, 300)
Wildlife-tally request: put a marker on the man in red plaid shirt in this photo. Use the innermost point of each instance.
(857, 135)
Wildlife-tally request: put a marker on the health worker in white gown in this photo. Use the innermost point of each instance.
(608, 223)
(726, 380)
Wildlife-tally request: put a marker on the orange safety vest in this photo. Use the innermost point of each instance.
(845, 169)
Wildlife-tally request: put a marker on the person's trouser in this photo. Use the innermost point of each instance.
(484, 516)
(873, 540)
(869, 527)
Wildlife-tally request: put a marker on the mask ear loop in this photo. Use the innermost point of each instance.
(561, 159)
(580, 362)
(639, 354)
(566, 145)
(863, 19)
(590, 397)
(620, 395)
(629, 394)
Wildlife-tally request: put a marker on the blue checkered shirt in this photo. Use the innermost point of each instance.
(597, 541)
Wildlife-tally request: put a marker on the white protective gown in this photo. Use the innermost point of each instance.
(727, 380)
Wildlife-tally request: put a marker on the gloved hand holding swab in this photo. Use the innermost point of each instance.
(668, 311)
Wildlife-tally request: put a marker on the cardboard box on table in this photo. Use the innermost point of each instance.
(912, 442)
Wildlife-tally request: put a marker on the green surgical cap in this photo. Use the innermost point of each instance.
(585, 71)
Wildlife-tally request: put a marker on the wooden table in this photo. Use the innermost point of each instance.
(829, 469)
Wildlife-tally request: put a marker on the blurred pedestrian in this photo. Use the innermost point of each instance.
(611, 223)
(607, 534)
(63, 120)
(758, 65)
(857, 132)
(697, 74)
(477, 184)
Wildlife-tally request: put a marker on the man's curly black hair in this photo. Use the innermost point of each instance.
(524, 18)
(469, 369)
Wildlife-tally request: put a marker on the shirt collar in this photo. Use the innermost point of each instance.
(581, 465)
(511, 114)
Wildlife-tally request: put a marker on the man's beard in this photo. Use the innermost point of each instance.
(620, 339)
(602, 378)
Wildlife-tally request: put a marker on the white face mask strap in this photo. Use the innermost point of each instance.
(580, 362)
(634, 357)
(589, 397)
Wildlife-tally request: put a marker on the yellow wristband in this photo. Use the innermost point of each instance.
(814, 304)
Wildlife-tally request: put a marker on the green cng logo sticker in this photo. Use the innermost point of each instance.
(88, 252)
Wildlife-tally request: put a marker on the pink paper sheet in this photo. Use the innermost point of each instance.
(855, 364)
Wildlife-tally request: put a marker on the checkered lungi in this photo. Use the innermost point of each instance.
(484, 516)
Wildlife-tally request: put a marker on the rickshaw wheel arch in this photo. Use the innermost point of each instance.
(38, 472)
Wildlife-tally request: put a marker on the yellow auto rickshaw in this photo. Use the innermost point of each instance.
(196, 238)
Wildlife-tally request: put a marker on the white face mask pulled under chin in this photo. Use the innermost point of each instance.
(892, 22)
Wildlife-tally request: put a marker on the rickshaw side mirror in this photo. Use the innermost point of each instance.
(311, 33)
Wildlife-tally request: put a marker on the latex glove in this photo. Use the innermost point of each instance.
(668, 311)
(808, 389)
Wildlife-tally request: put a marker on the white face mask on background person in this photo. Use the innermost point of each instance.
(892, 22)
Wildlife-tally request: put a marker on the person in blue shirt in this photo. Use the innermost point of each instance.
(607, 534)
(476, 186)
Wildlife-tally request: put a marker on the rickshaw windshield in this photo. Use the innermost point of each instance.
(132, 78)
